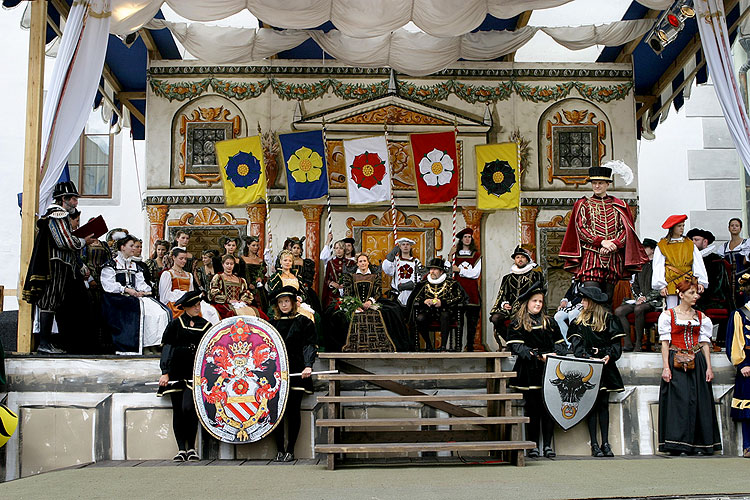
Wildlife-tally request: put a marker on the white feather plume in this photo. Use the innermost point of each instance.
(118, 235)
(621, 169)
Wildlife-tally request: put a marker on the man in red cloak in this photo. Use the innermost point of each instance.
(600, 245)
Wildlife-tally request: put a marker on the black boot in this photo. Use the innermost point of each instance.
(46, 319)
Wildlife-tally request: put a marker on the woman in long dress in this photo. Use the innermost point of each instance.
(687, 417)
(204, 272)
(176, 282)
(736, 252)
(134, 319)
(376, 325)
(255, 272)
(229, 293)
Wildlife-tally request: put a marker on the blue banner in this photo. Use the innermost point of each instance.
(305, 160)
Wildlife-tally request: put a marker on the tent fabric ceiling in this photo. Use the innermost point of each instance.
(129, 64)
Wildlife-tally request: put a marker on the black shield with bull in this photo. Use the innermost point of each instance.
(570, 388)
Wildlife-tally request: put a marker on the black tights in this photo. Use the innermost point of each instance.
(538, 414)
(293, 419)
(184, 419)
(472, 319)
(599, 412)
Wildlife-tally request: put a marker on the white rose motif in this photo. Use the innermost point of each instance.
(436, 168)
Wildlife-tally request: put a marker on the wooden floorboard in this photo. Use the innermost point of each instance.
(418, 447)
(412, 355)
(404, 422)
(420, 399)
(418, 376)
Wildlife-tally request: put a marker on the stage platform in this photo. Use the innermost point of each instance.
(78, 410)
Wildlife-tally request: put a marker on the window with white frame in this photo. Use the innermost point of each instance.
(90, 161)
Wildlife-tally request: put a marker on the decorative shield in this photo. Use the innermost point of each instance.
(570, 388)
(241, 379)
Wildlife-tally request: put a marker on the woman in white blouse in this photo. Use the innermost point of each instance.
(687, 418)
(736, 252)
(135, 320)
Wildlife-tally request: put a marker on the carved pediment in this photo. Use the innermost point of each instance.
(394, 115)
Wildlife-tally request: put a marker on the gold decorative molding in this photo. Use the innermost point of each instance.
(557, 221)
(157, 214)
(393, 115)
(257, 213)
(207, 216)
(574, 118)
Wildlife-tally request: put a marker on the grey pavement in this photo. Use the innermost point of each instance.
(685, 477)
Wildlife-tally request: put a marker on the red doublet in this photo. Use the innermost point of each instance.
(592, 221)
(334, 270)
(470, 285)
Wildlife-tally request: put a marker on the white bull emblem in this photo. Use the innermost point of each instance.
(570, 388)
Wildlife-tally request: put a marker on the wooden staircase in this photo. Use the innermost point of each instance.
(463, 431)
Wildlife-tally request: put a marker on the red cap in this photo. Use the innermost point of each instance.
(673, 220)
(464, 231)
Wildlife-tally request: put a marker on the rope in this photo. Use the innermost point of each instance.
(328, 191)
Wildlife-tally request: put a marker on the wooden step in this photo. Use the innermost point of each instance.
(420, 399)
(412, 355)
(417, 376)
(416, 447)
(408, 422)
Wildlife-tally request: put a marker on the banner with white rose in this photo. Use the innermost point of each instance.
(436, 166)
(368, 171)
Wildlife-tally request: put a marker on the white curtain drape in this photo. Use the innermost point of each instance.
(355, 18)
(75, 79)
(712, 26)
(412, 53)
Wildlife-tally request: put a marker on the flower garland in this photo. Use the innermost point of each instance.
(180, 91)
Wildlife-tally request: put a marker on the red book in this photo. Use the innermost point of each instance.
(436, 166)
(95, 226)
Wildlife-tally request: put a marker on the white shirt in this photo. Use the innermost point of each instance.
(658, 279)
(665, 326)
(110, 284)
(166, 294)
(466, 270)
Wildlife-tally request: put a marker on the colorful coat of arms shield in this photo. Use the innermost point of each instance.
(570, 387)
(241, 379)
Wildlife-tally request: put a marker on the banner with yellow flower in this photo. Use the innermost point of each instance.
(498, 178)
(243, 173)
(305, 158)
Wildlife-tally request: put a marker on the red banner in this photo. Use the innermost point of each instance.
(436, 166)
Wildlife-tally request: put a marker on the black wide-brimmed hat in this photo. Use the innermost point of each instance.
(286, 291)
(535, 288)
(593, 293)
(67, 188)
(521, 251)
(437, 263)
(348, 240)
(600, 174)
(189, 299)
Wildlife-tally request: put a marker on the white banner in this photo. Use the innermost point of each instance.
(368, 171)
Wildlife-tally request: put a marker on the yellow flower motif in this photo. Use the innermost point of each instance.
(305, 165)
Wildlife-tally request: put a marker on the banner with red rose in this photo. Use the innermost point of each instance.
(436, 165)
(368, 172)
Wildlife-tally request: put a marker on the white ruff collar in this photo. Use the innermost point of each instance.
(359, 271)
(438, 280)
(708, 250)
(122, 258)
(522, 270)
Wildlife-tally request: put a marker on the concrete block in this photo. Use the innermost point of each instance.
(713, 220)
(716, 134)
(149, 434)
(723, 195)
(703, 102)
(713, 164)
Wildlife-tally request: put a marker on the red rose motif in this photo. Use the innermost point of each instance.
(239, 386)
(368, 170)
(405, 272)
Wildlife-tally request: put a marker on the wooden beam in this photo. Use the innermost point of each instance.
(629, 47)
(133, 96)
(31, 161)
(523, 21)
(150, 43)
(133, 110)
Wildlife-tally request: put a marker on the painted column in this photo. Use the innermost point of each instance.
(257, 215)
(528, 229)
(312, 215)
(473, 218)
(157, 216)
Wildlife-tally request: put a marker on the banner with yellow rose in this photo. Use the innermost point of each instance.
(305, 159)
(498, 177)
(243, 173)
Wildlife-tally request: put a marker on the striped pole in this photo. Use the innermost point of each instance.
(268, 205)
(518, 162)
(455, 200)
(393, 198)
(328, 191)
